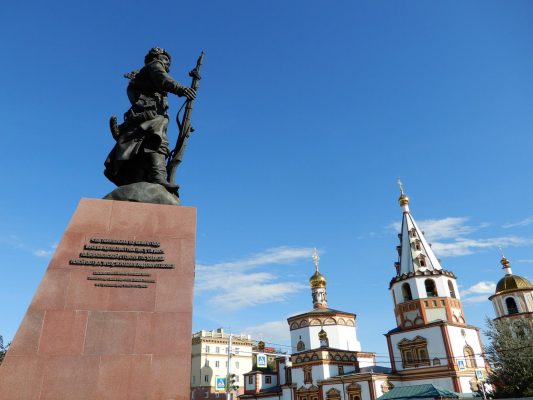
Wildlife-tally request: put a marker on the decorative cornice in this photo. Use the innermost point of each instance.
(418, 273)
(509, 291)
(430, 325)
(321, 319)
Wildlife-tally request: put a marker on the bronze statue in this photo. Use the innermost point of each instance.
(142, 144)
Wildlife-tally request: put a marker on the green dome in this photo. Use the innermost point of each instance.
(512, 282)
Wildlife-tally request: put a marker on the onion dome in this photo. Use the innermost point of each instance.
(322, 335)
(403, 199)
(317, 280)
(511, 282)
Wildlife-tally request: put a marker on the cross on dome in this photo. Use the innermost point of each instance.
(316, 258)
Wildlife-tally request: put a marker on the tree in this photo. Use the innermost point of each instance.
(3, 349)
(510, 355)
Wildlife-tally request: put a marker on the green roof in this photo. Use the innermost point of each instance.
(428, 391)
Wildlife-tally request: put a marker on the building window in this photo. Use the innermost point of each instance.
(341, 369)
(217, 363)
(417, 245)
(268, 379)
(333, 394)
(308, 375)
(354, 391)
(236, 350)
(300, 346)
(206, 378)
(237, 364)
(406, 291)
(511, 305)
(436, 361)
(470, 359)
(250, 379)
(422, 261)
(207, 349)
(452, 290)
(217, 350)
(414, 352)
(431, 290)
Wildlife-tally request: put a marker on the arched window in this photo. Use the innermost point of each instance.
(300, 346)
(511, 305)
(406, 291)
(452, 290)
(470, 359)
(431, 290)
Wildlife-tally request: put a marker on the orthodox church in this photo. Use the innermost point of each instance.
(432, 344)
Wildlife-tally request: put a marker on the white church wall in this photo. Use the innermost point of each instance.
(365, 361)
(464, 382)
(458, 343)
(339, 336)
(298, 376)
(300, 334)
(433, 336)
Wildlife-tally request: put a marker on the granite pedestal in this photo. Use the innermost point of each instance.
(111, 318)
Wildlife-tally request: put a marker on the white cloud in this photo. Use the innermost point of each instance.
(238, 286)
(272, 333)
(525, 261)
(480, 287)
(448, 237)
(479, 292)
(526, 221)
(463, 246)
(446, 228)
(477, 299)
(43, 253)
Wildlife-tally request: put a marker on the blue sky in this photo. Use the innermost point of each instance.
(307, 113)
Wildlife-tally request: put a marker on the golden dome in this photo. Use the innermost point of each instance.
(403, 200)
(322, 334)
(505, 262)
(512, 282)
(317, 280)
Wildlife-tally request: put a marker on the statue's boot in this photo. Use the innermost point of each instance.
(157, 171)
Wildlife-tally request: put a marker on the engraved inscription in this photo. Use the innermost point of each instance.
(120, 285)
(122, 273)
(125, 242)
(90, 254)
(118, 253)
(120, 264)
(124, 249)
(93, 278)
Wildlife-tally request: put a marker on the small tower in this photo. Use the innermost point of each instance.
(514, 295)
(318, 285)
(432, 337)
(422, 291)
